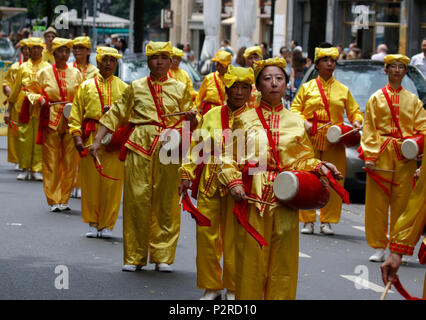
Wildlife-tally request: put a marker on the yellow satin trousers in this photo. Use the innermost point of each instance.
(378, 224)
(216, 241)
(270, 272)
(60, 160)
(100, 196)
(331, 212)
(12, 139)
(151, 210)
(29, 153)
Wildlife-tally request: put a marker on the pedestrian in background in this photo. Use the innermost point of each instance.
(49, 35)
(419, 60)
(382, 51)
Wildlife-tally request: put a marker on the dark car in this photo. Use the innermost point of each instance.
(363, 78)
(135, 66)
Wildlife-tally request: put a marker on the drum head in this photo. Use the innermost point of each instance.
(410, 149)
(106, 139)
(333, 134)
(67, 110)
(286, 186)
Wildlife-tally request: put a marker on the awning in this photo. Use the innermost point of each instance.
(102, 21)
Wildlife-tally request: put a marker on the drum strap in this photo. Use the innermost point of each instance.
(44, 119)
(101, 98)
(324, 98)
(58, 81)
(393, 112)
(222, 101)
(269, 135)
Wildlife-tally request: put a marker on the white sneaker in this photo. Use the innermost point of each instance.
(105, 233)
(76, 193)
(130, 268)
(230, 295)
(163, 267)
(55, 208)
(212, 295)
(326, 229)
(24, 175)
(37, 176)
(92, 233)
(405, 260)
(378, 256)
(308, 228)
(64, 207)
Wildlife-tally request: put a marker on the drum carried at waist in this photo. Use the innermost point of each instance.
(412, 147)
(301, 190)
(343, 134)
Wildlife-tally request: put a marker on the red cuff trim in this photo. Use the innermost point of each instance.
(234, 183)
(400, 248)
(317, 168)
(370, 159)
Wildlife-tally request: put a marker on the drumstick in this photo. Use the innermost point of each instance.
(377, 169)
(259, 201)
(173, 114)
(324, 126)
(349, 132)
(388, 286)
(59, 102)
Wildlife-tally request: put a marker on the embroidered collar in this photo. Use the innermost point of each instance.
(328, 82)
(165, 78)
(388, 86)
(268, 107)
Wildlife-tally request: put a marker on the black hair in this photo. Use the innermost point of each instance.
(325, 45)
(287, 79)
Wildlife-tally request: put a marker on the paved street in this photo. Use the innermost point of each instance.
(35, 243)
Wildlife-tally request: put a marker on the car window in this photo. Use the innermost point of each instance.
(133, 70)
(7, 51)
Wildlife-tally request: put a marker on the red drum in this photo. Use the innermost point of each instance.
(413, 146)
(114, 142)
(301, 190)
(67, 110)
(343, 134)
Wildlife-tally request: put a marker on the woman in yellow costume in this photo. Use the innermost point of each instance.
(251, 55)
(55, 86)
(392, 114)
(151, 211)
(49, 35)
(81, 49)
(268, 272)
(101, 196)
(12, 114)
(322, 102)
(213, 201)
(212, 90)
(29, 153)
(179, 74)
(408, 230)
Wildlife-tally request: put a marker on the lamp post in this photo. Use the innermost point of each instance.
(95, 30)
(271, 33)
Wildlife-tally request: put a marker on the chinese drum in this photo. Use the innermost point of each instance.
(343, 134)
(413, 147)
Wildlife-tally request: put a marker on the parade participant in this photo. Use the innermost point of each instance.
(213, 199)
(49, 35)
(101, 196)
(271, 271)
(13, 114)
(179, 74)
(392, 114)
(81, 50)
(408, 230)
(29, 153)
(251, 55)
(55, 86)
(151, 212)
(322, 102)
(212, 90)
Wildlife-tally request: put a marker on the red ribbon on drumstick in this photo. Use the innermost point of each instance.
(342, 192)
(188, 206)
(99, 168)
(13, 128)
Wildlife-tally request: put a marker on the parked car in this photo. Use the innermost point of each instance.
(135, 66)
(7, 50)
(363, 78)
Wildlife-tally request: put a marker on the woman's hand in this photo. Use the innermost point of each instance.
(370, 165)
(328, 166)
(105, 109)
(308, 127)
(356, 125)
(184, 186)
(417, 174)
(191, 116)
(238, 193)
(390, 267)
(78, 143)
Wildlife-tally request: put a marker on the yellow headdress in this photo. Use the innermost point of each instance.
(326, 52)
(177, 52)
(82, 41)
(391, 58)
(237, 74)
(23, 43)
(223, 57)
(262, 64)
(101, 52)
(34, 42)
(61, 42)
(153, 48)
(253, 50)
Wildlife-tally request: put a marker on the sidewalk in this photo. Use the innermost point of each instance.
(3, 142)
